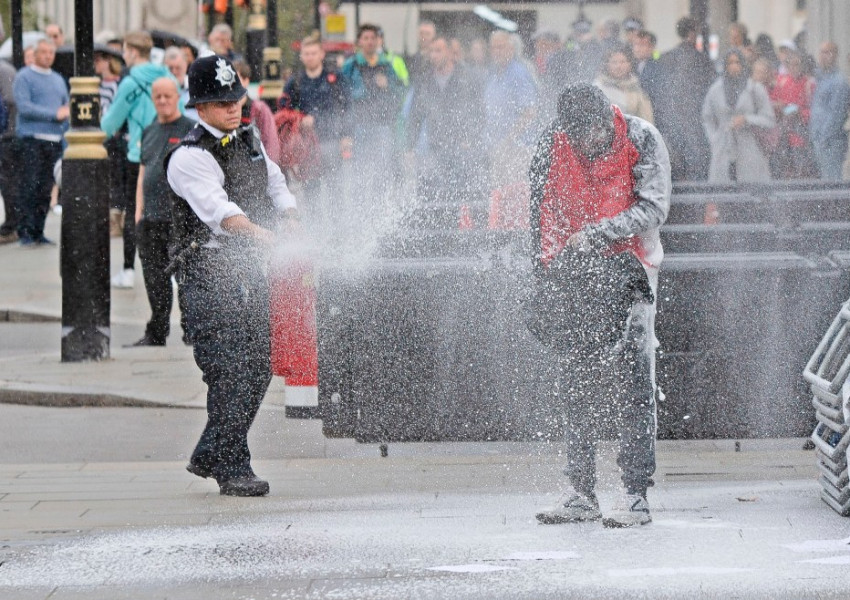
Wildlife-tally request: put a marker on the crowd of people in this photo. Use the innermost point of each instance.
(460, 117)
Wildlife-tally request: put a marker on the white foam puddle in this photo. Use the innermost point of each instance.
(673, 571)
(832, 560)
(820, 545)
(470, 568)
(677, 524)
(546, 555)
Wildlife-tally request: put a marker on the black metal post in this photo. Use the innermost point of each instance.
(317, 16)
(699, 11)
(83, 38)
(272, 58)
(255, 38)
(17, 33)
(228, 13)
(84, 262)
(271, 23)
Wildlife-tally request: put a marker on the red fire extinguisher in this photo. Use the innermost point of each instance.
(293, 328)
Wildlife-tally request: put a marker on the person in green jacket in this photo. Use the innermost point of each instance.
(134, 107)
(394, 59)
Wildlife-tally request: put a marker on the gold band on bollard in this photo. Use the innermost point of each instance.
(272, 85)
(257, 19)
(85, 139)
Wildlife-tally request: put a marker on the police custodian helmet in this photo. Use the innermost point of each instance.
(213, 79)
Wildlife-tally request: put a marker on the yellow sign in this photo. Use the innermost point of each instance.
(335, 24)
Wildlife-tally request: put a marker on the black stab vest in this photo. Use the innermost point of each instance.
(246, 181)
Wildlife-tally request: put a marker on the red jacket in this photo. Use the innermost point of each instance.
(580, 192)
(794, 91)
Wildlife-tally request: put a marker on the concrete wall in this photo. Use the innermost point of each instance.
(778, 18)
(830, 20)
(179, 16)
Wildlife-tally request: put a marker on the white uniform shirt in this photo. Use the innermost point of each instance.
(195, 175)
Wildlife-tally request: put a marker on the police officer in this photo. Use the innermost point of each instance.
(228, 197)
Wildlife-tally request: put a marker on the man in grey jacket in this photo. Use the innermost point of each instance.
(600, 191)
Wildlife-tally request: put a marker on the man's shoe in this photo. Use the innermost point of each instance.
(243, 486)
(8, 238)
(145, 341)
(199, 470)
(43, 241)
(572, 507)
(633, 511)
(124, 279)
(27, 242)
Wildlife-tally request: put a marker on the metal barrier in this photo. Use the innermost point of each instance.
(828, 373)
(429, 341)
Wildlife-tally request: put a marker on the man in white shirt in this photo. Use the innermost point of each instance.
(228, 198)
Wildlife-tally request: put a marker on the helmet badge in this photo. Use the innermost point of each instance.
(224, 73)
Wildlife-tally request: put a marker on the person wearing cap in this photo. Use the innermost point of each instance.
(134, 107)
(785, 49)
(227, 200)
(108, 65)
(600, 191)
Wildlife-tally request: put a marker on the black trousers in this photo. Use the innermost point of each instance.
(9, 181)
(129, 233)
(227, 313)
(37, 159)
(153, 240)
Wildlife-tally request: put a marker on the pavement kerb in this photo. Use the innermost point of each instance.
(11, 315)
(75, 398)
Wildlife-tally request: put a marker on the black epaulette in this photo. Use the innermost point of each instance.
(194, 136)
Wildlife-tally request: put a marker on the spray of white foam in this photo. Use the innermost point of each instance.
(473, 568)
(675, 571)
(820, 545)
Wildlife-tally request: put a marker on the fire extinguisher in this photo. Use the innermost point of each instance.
(293, 326)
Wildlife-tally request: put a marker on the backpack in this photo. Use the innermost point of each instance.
(299, 150)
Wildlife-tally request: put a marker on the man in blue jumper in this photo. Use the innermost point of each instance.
(43, 109)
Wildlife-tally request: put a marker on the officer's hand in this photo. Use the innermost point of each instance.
(579, 241)
(346, 145)
(381, 81)
(291, 222)
(63, 113)
(264, 236)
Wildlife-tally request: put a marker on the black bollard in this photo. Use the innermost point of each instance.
(255, 39)
(84, 262)
(272, 58)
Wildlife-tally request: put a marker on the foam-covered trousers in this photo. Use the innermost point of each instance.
(612, 396)
(227, 316)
